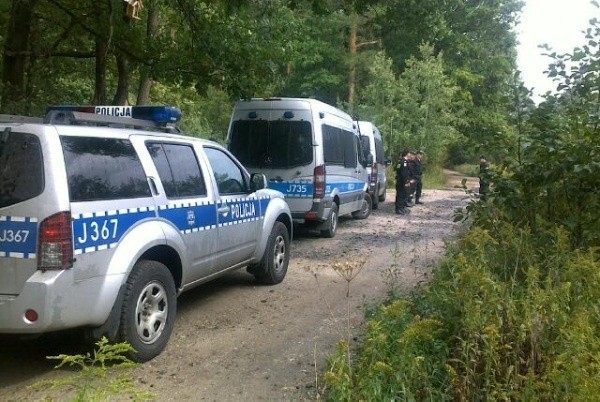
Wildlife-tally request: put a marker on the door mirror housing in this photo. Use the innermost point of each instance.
(258, 181)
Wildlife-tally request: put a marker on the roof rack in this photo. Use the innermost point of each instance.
(9, 118)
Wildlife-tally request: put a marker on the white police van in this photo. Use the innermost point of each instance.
(372, 142)
(310, 151)
(104, 220)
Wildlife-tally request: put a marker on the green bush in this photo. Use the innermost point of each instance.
(500, 321)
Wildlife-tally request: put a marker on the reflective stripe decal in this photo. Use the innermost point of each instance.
(18, 237)
(291, 189)
(97, 231)
(102, 230)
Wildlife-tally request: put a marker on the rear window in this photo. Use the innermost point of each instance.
(272, 144)
(21, 168)
(103, 169)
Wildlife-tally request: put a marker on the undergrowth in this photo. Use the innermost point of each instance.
(105, 374)
(507, 316)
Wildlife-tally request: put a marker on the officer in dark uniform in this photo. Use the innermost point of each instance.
(418, 174)
(402, 184)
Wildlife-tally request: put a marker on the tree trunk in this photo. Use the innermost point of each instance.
(143, 97)
(14, 58)
(123, 84)
(353, 51)
(100, 81)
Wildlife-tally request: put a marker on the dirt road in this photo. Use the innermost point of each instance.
(236, 341)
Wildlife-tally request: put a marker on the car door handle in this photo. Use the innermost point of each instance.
(223, 210)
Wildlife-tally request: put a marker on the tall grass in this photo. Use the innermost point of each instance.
(501, 320)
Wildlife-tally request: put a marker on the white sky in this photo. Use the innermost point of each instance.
(559, 23)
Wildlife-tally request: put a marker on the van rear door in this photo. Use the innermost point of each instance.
(280, 148)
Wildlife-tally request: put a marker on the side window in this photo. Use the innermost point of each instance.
(178, 169)
(228, 175)
(340, 146)
(21, 168)
(360, 151)
(103, 169)
(379, 151)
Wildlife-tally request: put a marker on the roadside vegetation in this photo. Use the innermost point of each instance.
(512, 312)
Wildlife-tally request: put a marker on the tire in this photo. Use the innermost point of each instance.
(365, 208)
(274, 264)
(382, 197)
(375, 200)
(332, 223)
(148, 310)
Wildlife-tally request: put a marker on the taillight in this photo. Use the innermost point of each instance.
(374, 174)
(319, 182)
(55, 249)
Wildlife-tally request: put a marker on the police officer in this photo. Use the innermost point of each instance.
(418, 174)
(402, 184)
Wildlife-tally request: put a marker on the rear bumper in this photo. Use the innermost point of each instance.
(60, 302)
(319, 212)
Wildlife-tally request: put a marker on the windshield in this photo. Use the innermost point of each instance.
(21, 169)
(272, 144)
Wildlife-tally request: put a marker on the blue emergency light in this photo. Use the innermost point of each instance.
(157, 114)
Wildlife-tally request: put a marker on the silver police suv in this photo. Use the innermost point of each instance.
(105, 219)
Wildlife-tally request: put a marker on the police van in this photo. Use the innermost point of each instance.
(105, 219)
(310, 151)
(372, 142)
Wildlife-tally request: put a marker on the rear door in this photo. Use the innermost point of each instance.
(185, 200)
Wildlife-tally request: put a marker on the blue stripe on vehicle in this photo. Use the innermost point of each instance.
(102, 230)
(190, 218)
(292, 189)
(241, 211)
(18, 237)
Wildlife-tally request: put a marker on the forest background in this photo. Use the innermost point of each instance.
(434, 75)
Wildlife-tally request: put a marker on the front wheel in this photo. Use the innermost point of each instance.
(148, 311)
(365, 208)
(274, 264)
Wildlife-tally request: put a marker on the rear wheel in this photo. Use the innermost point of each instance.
(332, 222)
(274, 264)
(148, 311)
(382, 197)
(375, 199)
(365, 209)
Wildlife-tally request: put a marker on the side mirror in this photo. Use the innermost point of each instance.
(258, 181)
(388, 161)
(369, 159)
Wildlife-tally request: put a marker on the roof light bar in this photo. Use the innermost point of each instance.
(157, 114)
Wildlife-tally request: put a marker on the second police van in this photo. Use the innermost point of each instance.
(310, 151)
(372, 142)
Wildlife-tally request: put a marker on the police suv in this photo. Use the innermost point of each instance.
(106, 218)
